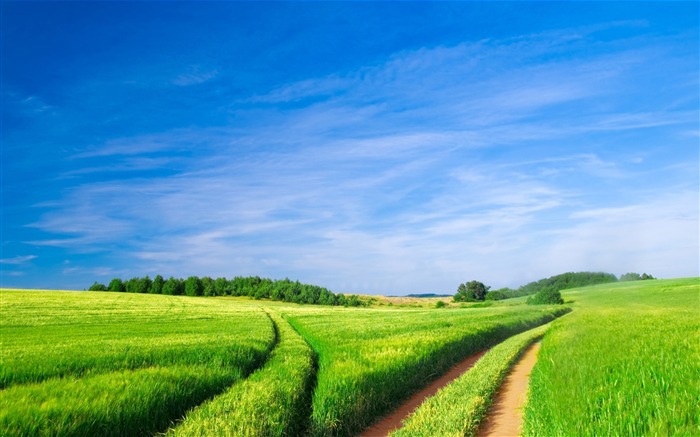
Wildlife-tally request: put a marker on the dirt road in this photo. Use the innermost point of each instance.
(505, 418)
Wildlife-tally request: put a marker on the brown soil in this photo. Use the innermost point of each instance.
(393, 421)
(505, 418)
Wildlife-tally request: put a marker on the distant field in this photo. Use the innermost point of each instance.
(624, 362)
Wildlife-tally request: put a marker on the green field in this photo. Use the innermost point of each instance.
(623, 362)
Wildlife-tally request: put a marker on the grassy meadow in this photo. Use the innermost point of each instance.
(625, 361)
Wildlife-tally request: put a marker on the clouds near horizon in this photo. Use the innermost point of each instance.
(504, 159)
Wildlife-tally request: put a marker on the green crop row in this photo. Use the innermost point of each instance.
(370, 360)
(128, 391)
(60, 334)
(626, 362)
(273, 401)
(458, 409)
(123, 403)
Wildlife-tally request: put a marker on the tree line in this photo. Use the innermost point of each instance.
(253, 286)
(476, 291)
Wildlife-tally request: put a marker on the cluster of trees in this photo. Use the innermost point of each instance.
(253, 286)
(635, 277)
(554, 283)
(471, 291)
(476, 291)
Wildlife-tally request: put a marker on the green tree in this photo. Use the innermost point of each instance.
(500, 294)
(98, 287)
(471, 291)
(221, 287)
(173, 286)
(116, 284)
(157, 285)
(630, 277)
(193, 286)
(208, 286)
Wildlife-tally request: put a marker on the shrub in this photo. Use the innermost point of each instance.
(496, 295)
(546, 297)
(98, 287)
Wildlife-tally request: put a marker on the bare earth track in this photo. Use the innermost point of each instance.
(392, 422)
(505, 417)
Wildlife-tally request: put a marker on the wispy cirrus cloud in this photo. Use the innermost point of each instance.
(196, 75)
(494, 159)
(18, 260)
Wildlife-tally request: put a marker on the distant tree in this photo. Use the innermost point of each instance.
(630, 277)
(208, 286)
(221, 287)
(440, 304)
(645, 277)
(116, 284)
(157, 285)
(193, 286)
(138, 285)
(500, 294)
(471, 291)
(340, 299)
(98, 287)
(354, 301)
(173, 286)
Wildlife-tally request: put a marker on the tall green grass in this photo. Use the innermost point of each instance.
(273, 401)
(458, 408)
(53, 334)
(106, 364)
(370, 360)
(626, 362)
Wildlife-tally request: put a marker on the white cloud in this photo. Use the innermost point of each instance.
(196, 75)
(437, 166)
(18, 260)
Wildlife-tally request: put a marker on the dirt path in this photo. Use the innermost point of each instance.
(505, 417)
(393, 421)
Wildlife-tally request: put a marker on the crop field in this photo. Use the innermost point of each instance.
(119, 364)
(459, 408)
(369, 360)
(624, 362)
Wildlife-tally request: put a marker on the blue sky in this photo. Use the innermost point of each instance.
(384, 148)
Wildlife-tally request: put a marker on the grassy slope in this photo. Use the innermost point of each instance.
(116, 364)
(625, 362)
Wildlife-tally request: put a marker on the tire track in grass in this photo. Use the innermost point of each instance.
(459, 408)
(273, 401)
(125, 402)
(393, 421)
